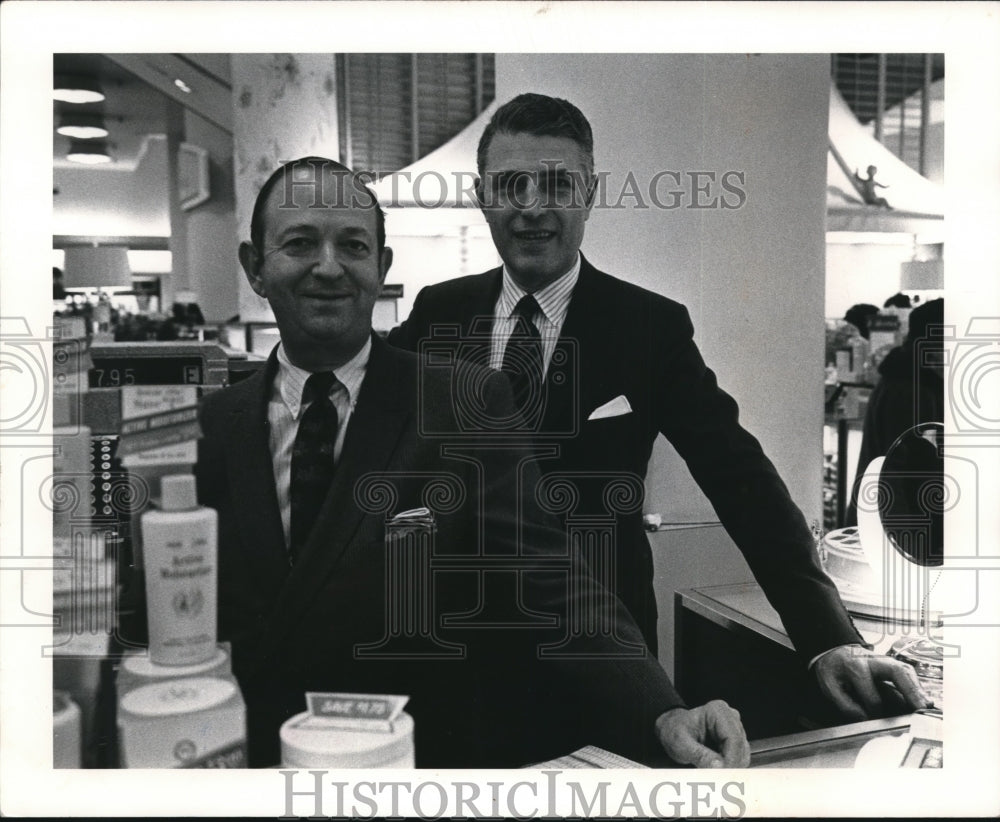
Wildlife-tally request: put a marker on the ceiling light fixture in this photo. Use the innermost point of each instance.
(73, 89)
(82, 126)
(182, 85)
(90, 152)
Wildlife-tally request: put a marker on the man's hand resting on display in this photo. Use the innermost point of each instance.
(865, 685)
(709, 736)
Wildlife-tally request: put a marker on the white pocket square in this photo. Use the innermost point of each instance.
(613, 408)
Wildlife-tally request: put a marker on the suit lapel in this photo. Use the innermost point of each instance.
(477, 316)
(564, 381)
(251, 478)
(383, 409)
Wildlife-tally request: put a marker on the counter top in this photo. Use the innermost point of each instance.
(824, 748)
(743, 607)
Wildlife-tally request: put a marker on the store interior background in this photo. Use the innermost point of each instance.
(761, 281)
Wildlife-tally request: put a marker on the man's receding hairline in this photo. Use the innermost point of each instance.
(586, 155)
(288, 171)
(282, 183)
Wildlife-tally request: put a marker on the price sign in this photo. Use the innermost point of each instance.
(115, 372)
(159, 425)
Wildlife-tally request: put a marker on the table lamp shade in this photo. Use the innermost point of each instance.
(96, 267)
(922, 275)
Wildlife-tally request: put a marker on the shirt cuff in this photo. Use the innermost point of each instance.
(818, 657)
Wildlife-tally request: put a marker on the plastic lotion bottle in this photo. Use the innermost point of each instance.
(179, 549)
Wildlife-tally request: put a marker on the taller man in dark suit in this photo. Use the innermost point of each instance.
(306, 460)
(614, 366)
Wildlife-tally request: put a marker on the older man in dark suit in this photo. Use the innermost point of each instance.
(602, 367)
(305, 462)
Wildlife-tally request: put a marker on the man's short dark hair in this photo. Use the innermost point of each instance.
(926, 322)
(542, 116)
(858, 315)
(320, 164)
(898, 300)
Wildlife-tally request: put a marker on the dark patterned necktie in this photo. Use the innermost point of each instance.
(522, 359)
(312, 459)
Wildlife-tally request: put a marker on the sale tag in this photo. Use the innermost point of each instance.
(373, 712)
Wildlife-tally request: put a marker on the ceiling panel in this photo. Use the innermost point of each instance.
(138, 89)
(132, 110)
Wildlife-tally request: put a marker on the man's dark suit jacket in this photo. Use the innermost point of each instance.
(295, 629)
(619, 339)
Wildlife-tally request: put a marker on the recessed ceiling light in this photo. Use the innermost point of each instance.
(89, 153)
(82, 126)
(77, 90)
(182, 86)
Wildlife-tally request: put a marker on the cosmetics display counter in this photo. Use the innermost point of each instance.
(731, 645)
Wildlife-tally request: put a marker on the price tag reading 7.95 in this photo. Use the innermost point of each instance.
(112, 377)
(113, 373)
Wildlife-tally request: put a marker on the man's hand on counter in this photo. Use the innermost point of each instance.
(864, 685)
(709, 736)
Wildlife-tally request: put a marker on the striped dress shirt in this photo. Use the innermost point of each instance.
(553, 302)
(285, 409)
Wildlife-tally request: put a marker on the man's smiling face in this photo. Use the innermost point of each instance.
(320, 268)
(535, 197)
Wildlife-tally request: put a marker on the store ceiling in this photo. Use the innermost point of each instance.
(138, 90)
(132, 110)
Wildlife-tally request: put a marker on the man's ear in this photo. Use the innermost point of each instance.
(250, 260)
(385, 263)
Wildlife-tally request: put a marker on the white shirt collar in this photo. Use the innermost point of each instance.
(553, 299)
(291, 380)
